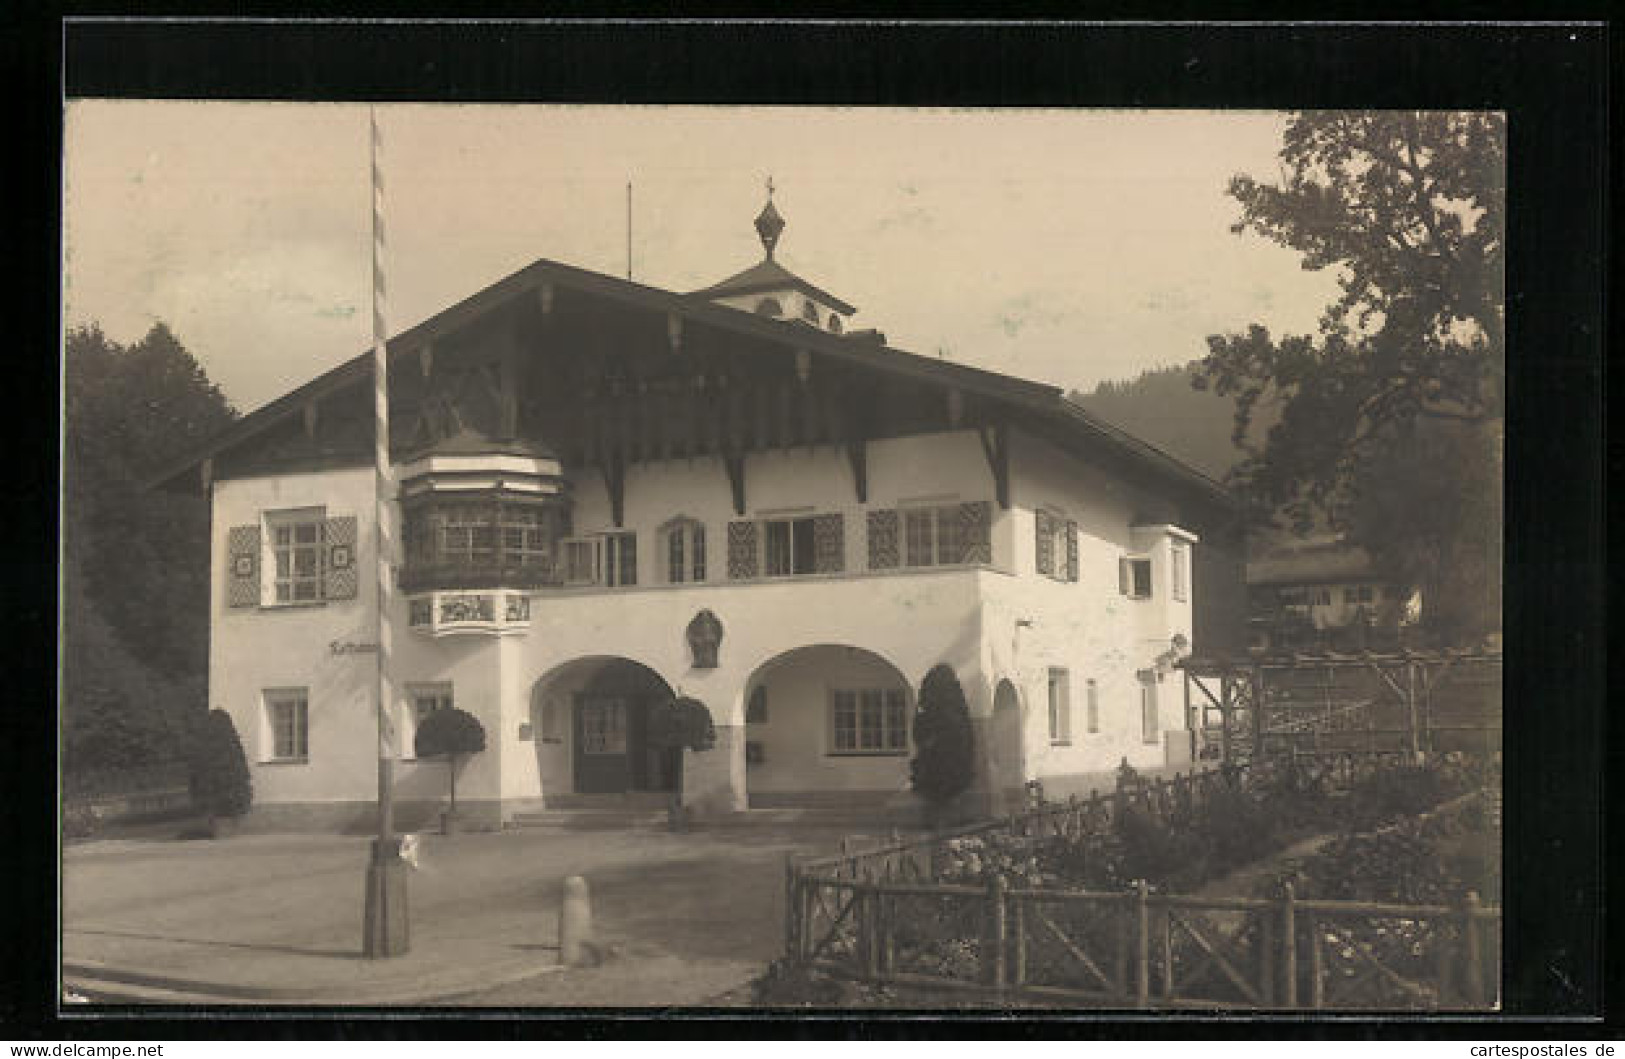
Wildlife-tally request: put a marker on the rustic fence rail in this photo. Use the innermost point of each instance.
(883, 914)
(1141, 949)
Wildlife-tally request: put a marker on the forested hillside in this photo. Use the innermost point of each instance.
(135, 615)
(1161, 407)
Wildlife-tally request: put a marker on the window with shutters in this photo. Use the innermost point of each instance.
(1056, 545)
(788, 547)
(294, 547)
(685, 550)
(287, 718)
(1060, 708)
(933, 536)
(1134, 577)
(868, 721)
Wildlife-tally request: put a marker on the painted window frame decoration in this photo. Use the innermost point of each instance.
(1058, 689)
(295, 702)
(878, 726)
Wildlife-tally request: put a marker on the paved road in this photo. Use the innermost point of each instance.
(684, 917)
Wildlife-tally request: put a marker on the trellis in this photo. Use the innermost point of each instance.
(1411, 702)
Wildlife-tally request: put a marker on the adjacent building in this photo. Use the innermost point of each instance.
(610, 494)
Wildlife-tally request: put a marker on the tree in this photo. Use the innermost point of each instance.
(944, 742)
(135, 563)
(219, 780)
(1409, 208)
(679, 724)
(452, 734)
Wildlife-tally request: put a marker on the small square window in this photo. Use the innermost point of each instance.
(1134, 577)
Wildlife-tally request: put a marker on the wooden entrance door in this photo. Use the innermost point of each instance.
(602, 725)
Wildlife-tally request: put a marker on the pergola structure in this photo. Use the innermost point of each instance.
(1418, 702)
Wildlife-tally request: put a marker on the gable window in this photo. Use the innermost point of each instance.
(868, 721)
(1179, 574)
(422, 700)
(685, 551)
(809, 313)
(788, 547)
(1060, 708)
(933, 536)
(296, 555)
(1134, 577)
(287, 715)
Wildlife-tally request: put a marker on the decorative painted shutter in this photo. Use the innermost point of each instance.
(243, 566)
(1071, 550)
(338, 558)
(975, 532)
(883, 540)
(741, 550)
(1046, 543)
(829, 544)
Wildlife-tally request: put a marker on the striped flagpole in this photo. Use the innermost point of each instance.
(385, 927)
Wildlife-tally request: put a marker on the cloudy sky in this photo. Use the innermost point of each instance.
(1066, 246)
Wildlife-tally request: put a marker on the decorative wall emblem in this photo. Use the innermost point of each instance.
(243, 566)
(704, 637)
(467, 608)
(341, 558)
(518, 608)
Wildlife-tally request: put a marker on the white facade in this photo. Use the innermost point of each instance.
(816, 643)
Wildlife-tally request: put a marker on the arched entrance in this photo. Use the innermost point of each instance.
(593, 718)
(826, 724)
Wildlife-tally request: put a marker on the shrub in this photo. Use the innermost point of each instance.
(944, 742)
(218, 773)
(452, 734)
(1388, 794)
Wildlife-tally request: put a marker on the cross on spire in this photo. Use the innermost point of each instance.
(768, 223)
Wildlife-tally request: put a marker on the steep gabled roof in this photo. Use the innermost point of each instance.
(1041, 403)
(770, 275)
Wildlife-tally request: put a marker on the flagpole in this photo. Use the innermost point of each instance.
(385, 927)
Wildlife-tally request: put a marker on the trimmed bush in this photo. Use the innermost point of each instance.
(676, 725)
(218, 773)
(944, 742)
(452, 734)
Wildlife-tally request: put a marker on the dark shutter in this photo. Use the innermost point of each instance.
(829, 544)
(741, 550)
(883, 540)
(339, 558)
(1125, 583)
(243, 566)
(976, 531)
(1071, 550)
(1046, 543)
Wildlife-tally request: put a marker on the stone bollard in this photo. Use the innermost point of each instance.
(575, 924)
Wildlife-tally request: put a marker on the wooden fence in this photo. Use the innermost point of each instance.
(883, 915)
(1140, 949)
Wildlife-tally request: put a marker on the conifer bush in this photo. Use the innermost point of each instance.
(676, 725)
(218, 769)
(944, 742)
